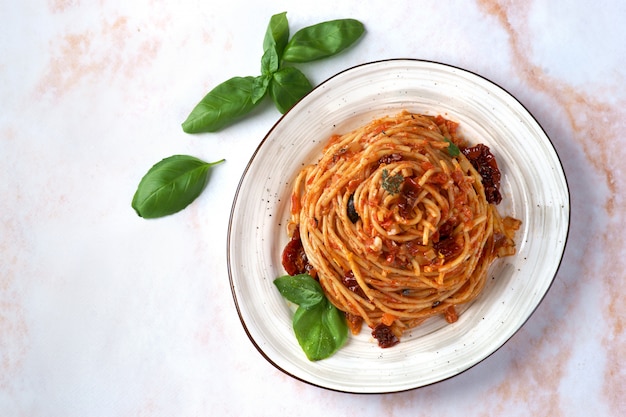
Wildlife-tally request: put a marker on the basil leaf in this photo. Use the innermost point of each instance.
(288, 85)
(224, 104)
(260, 87)
(322, 40)
(300, 289)
(171, 185)
(269, 61)
(320, 330)
(453, 150)
(277, 33)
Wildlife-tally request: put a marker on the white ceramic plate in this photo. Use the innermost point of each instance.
(534, 190)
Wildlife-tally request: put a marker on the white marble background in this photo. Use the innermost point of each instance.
(103, 313)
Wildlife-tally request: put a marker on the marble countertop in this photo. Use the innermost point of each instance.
(103, 313)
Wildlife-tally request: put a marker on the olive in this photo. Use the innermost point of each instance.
(352, 214)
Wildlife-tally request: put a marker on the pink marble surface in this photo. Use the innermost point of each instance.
(106, 314)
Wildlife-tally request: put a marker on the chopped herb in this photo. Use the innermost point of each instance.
(453, 150)
(392, 184)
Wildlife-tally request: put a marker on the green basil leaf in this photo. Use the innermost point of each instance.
(277, 33)
(300, 289)
(269, 61)
(320, 330)
(322, 40)
(453, 150)
(224, 104)
(260, 87)
(288, 85)
(171, 185)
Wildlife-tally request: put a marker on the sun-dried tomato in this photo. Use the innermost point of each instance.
(386, 338)
(444, 243)
(389, 158)
(408, 196)
(294, 257)
(352, 284)
(448, 248)
(485, 163)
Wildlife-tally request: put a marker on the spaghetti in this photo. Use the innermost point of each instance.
(398, 222)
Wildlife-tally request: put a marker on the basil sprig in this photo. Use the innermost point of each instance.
(285, 85)
(171, 185)
(319, 326)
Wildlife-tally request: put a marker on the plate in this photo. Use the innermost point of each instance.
(534, 190)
